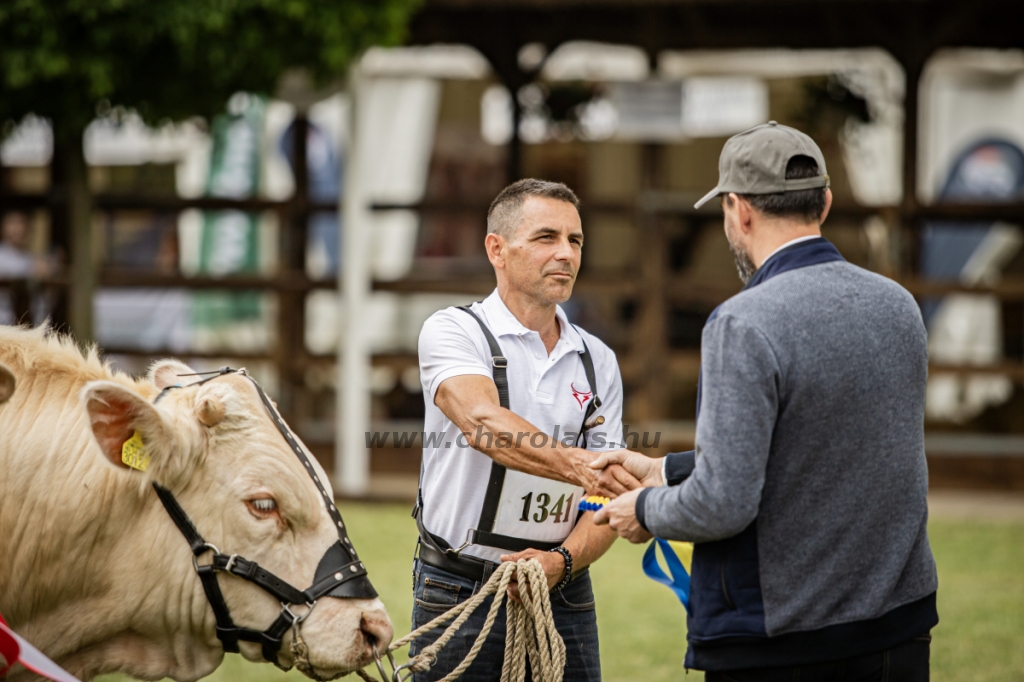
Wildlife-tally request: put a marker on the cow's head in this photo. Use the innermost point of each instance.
(6, 384)
(217, 450)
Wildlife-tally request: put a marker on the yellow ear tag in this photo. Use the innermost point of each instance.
(133, 453)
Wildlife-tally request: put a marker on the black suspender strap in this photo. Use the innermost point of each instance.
(499, 365)
(588, 367)
(595, 402)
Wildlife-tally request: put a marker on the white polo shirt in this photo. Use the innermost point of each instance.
(550, 392)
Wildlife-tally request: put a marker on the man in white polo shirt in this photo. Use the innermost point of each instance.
(517, 401)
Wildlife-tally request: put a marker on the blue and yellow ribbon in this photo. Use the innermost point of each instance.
(678, 557)
(593, 503)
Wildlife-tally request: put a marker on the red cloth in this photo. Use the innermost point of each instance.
(14, 649)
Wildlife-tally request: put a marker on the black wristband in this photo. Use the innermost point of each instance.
(568, 566)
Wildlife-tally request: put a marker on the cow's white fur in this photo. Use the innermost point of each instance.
(93, 571)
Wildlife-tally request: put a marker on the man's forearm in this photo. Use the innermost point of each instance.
(517, 444)
(587, 542)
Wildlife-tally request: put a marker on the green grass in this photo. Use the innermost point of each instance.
(643, 627)
(980, 636)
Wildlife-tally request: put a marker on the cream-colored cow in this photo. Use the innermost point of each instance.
(92, 569)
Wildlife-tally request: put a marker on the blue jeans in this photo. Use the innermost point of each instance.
(436, 591)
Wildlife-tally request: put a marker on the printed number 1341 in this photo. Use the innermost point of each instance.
(562, 508)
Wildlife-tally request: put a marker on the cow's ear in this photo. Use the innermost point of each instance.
(118, 415)
(166, 373)
(7, 384)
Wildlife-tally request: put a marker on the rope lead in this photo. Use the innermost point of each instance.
(531, 629)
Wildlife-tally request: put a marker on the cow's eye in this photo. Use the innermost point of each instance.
(263, 505)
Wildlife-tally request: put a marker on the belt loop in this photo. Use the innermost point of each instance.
(488, 570)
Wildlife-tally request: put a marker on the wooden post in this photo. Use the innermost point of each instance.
(352, 456)
(60, 238)
(514, 160)
(503, 56)
(77, 205)
(291, 318)
(913, 64)
(650, 338)
(21, 302)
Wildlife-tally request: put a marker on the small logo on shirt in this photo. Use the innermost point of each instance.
(580, 396)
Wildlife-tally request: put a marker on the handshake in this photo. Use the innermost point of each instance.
(620, 475)
(617, 472)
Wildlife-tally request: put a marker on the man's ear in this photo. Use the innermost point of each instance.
(828, 206)
(7, 384)
(493, 245)
(744, 214)
(117, 413)
(166, 373)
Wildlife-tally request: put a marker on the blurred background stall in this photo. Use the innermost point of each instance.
(302, 208)
(225, 238)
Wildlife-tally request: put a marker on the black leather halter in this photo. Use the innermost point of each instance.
(339, 574)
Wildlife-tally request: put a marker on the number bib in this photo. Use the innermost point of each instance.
(535, 508)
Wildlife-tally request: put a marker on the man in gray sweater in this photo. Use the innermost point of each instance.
(806, 494)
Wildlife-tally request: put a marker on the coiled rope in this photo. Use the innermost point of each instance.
(531, 632)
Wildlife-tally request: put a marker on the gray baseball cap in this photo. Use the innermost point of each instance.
(754, 162)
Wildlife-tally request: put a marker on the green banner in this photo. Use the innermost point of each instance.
(230, 239)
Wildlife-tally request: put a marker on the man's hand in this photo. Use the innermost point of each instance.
(645, 469)
(610, 481)
(620, 515)
(553, 563)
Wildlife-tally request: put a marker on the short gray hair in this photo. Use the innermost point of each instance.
(505, 213)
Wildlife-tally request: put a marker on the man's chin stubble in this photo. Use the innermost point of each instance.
(559, 292)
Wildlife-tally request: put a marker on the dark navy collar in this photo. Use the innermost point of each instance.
(799, 255)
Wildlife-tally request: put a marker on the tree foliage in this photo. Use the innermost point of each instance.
(173, 59)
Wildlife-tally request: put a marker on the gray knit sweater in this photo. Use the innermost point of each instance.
(811, 432)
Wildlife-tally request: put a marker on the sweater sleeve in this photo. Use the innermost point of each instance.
(740, 379)
(675, 468)
(678, 466)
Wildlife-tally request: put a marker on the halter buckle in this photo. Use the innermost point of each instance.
(208, 546)
(296, 619)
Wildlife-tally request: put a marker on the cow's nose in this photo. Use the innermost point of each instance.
(377, 629)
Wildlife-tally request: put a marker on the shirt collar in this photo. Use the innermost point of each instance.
(503, 323)
(568, 331)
